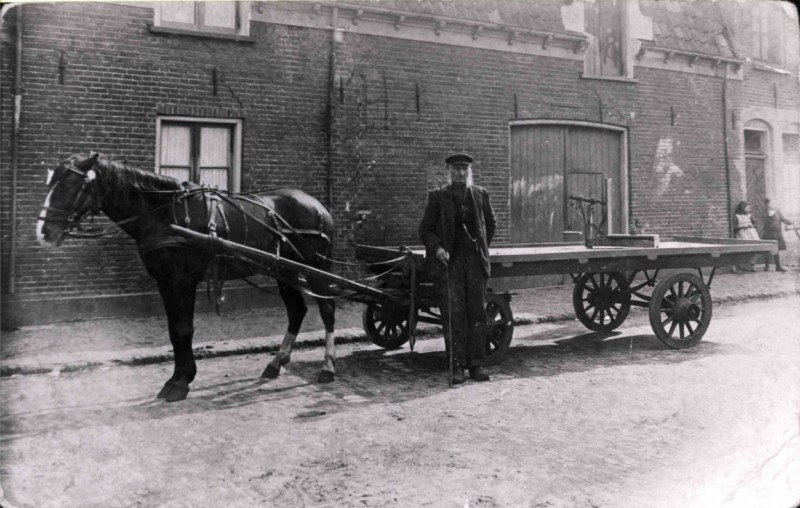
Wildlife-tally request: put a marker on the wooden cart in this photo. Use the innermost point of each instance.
(610, 276)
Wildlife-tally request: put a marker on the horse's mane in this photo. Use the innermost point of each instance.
(125, 177)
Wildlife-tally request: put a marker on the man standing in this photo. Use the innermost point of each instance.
(457, 229)
(773, 230)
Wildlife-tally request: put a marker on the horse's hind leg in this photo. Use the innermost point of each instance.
(327, 311)
(179, 304)
(296, 310)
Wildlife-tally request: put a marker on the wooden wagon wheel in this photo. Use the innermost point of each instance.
(386, 325)
(498, 312)
(680, 310)
(601, 300)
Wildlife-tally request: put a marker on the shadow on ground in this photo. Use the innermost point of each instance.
(364, 377)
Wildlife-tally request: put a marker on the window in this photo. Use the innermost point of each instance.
(210, 17)
(791, 169)
(767, 31)
(605, 55)
(754, 142)
(791, 149)
(200, 150)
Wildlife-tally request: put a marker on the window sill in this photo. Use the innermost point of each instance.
(608, 78)
(163, 30)
(764, 67)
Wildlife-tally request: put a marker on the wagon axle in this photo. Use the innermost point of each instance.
(684, 310)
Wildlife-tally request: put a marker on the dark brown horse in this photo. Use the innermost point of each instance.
(144, 204)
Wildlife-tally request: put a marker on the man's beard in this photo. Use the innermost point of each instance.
(467, 183)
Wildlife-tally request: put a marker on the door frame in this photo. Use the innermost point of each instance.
(623, 170)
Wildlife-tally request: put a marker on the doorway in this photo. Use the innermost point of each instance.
(755, 143)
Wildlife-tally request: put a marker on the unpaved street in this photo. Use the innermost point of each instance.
(570, 419)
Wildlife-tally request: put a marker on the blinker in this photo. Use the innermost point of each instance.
(90, 175)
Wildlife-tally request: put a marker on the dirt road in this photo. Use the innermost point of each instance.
(570, 419)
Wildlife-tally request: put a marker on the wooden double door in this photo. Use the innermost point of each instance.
(551, 162)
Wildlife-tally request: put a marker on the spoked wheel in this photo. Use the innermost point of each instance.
(601, 300)
(498, 313)
(386, 325)
(680, 310)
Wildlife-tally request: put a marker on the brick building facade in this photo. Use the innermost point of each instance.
(649, 104)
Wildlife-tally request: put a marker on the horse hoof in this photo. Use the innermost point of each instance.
(271, 372)
(165, 390)
(325, 376)
(177, 393)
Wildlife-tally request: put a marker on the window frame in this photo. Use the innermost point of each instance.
(235, 176)
(592, 55)
(761, 36)
(242, 28)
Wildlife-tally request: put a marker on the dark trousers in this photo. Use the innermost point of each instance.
(776, 257)
(467, 307)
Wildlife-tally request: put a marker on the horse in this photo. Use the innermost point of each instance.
(143, 204)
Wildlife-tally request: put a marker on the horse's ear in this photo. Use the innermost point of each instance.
(91, 161)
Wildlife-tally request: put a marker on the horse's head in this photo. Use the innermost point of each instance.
(72, 193)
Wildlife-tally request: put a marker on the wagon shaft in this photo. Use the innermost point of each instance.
(220, 244)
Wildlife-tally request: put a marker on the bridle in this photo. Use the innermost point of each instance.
(87, 199)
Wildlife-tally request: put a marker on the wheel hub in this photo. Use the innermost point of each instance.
(600, 298)
(686, 310)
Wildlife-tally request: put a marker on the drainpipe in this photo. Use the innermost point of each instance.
(12, 251)
(725, 148)
(332, 104)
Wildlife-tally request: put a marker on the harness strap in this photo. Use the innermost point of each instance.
(210, 199)
(221, 213)
(155, 242)
(186, 218)
(273, 229)
(316, 232)
(282, 231)
(217, 280)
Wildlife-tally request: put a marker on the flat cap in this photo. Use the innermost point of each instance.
(458, 158)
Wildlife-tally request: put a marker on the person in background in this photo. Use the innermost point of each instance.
(773, 230)
(743, 228)
(457, 229)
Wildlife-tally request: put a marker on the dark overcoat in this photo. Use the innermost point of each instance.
(773, 228)
(438, 225)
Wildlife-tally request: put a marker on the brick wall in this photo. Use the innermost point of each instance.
(467, 98)
(118, 77)
(678, 173)
(400, 107)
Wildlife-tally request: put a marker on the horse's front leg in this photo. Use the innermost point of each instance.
(179, 304)
(296, 310)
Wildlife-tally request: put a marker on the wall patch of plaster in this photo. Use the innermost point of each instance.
(664, 166)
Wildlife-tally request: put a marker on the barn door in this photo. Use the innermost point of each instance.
(537, 184)
(550, 162)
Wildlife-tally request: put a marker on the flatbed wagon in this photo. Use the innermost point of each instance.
(609, 278)
(610, 275)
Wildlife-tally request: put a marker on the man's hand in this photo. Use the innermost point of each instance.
(442, 255)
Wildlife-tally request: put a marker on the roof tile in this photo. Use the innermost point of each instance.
(688, 25)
